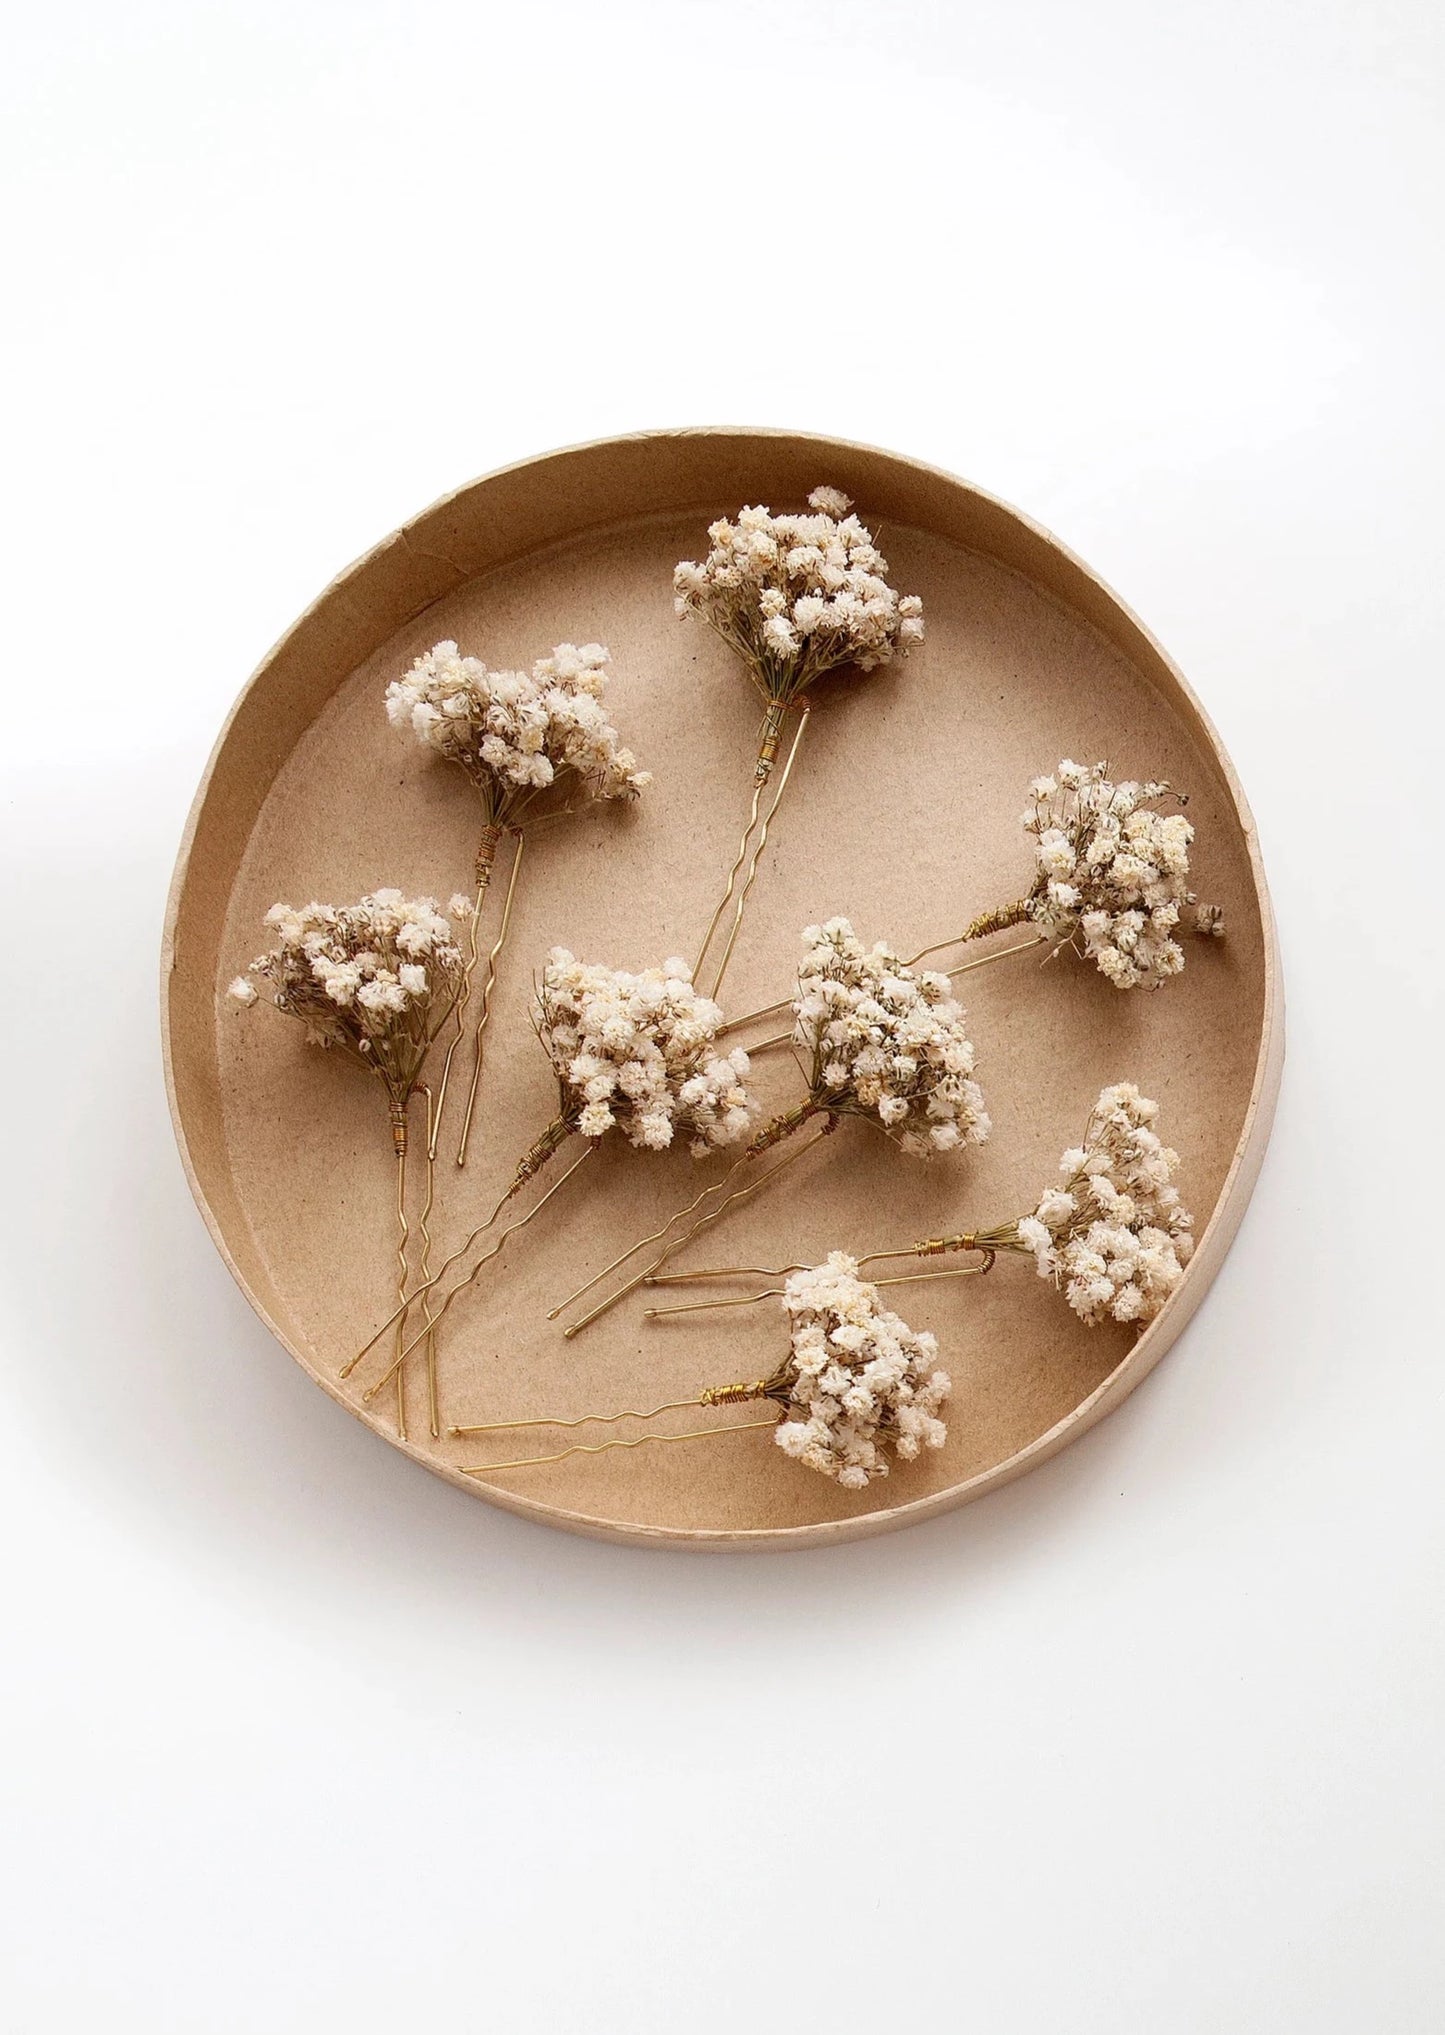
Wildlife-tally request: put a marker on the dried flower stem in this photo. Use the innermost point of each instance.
(488, 985)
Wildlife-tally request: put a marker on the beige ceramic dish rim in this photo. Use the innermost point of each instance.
(1213, 1244)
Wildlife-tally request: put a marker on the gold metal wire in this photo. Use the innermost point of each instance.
(582, 1420)
(424, 1268)
(600, 1448)
(761, 844)
(401, 1277)
(460, 1252)
(767, 750)
(486, 859)
(776, 1292)
(487, 987)
(928, 1247)
(462, 1284)
(641, 1244)
(727, 1272)
(767, 1045)
(703, 1222)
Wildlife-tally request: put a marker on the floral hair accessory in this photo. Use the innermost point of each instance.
(796, 596)
(1113, 874)
(376, 982)
(530, 743)
(858, 1387)
(1112, 1234)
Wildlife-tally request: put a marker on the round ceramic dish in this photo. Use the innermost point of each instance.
(902, 815)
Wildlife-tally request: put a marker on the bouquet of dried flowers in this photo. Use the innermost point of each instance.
(530, 743)
(796, 596)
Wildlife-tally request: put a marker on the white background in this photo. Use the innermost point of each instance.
(296, 1738)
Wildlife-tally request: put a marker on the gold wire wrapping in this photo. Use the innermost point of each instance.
(734, 1395)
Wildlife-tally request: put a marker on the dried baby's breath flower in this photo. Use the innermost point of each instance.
(860, 1383)
(796, 596)
(1112, 873)
(637, 1051)
(1114, 1234)
(517, 734)
(799, 595)
(886, 1042)
(374, 980)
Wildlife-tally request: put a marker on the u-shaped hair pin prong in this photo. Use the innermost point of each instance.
(712, 1215)
(600, 1448)
(776, 1292)
(582, 1419)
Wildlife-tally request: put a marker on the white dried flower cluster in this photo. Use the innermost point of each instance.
(1112, 872)
(375, 979)
(886, 1042)
(1114, 1235)
(517, 733)
(636, 1050)
(799, 595)
(862, 1381)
